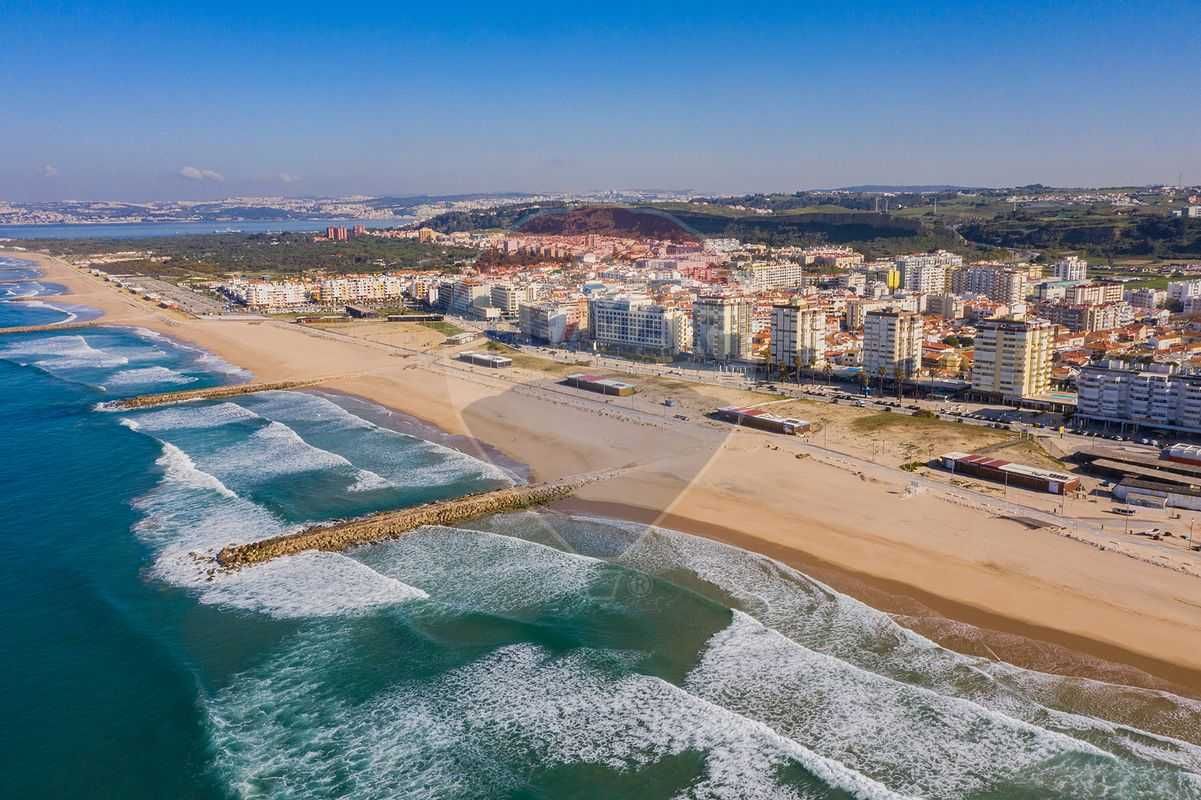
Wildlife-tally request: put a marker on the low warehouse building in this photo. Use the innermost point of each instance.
(762, 420)
(1009, 473)
(486, 360)
(595, 383)
(1155, 494)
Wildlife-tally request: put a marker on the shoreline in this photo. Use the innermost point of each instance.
(931, 572)
(905, 603)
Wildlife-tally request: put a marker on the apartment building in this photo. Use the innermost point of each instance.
(634, 322)
(892, 344)
(798, 337)
(761, 276)
(927, 272)
(552, 323)
(1181, 291)
(721, 328)
(1071, 268)
(853, 281)
(1002, 284)
(1012, 359)
(1095, 293)
(859, 307)
(1146, 298)
(947, 306)
(466, 297)
(1088, 318)
(1157, 396)
(508, 297)
(267, 294)
(360, 289)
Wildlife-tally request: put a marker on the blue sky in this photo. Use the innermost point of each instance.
(144, 100)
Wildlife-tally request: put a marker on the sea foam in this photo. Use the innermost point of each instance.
(518, 706)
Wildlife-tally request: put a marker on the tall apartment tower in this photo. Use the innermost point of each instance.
(1070, 268)
(721, 328)
(1013, 359)
(798, 337)
(892, 344)
(1002, 284)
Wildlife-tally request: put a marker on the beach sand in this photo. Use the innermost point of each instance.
(956, 572)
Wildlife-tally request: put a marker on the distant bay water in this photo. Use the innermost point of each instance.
(151, 229)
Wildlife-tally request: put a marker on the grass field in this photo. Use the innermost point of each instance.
(443, 327)
(889, 421)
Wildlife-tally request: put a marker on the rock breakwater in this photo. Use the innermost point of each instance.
(389, 524)
(212, 393)
(54, 326)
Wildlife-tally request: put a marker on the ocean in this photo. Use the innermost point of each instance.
(529, 655)
(142, 230)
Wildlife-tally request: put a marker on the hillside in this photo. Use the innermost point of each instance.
(609, 221)
(1103, 235)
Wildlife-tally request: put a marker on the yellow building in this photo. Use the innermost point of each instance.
(1013, 359)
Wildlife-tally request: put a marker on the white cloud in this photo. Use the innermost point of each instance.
(49, 171)
(288, 177)
(197, 174)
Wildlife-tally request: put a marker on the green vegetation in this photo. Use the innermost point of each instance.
(833, 221)
(499, 218)
(445, 328)
(875, 235)
(929, 421)
(267, 255)
(1100, 232)
(543, 364)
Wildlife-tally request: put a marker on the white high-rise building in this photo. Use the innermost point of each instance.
(927, 272)
(633, 322)
(1070, 268)
(1181, 291)
(1159, 396)
(468, 295)
(758, 277)
(507, 297)
(892, 344)
(553, 323)
(721, 328)
(1002, 284)
(798, 337)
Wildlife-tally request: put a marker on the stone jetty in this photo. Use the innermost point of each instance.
(213, 393)
(62, 326)
(390, 524)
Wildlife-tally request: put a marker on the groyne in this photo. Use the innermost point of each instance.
(62, 326)
(390, 524)
(213, 393)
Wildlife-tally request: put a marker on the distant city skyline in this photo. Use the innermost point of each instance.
(137, 102)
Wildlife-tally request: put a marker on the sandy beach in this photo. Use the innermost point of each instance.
(957, 572)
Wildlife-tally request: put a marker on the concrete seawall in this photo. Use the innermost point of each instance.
(389, 524)
(213, 393)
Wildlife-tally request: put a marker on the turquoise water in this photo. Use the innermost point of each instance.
(532, 655)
